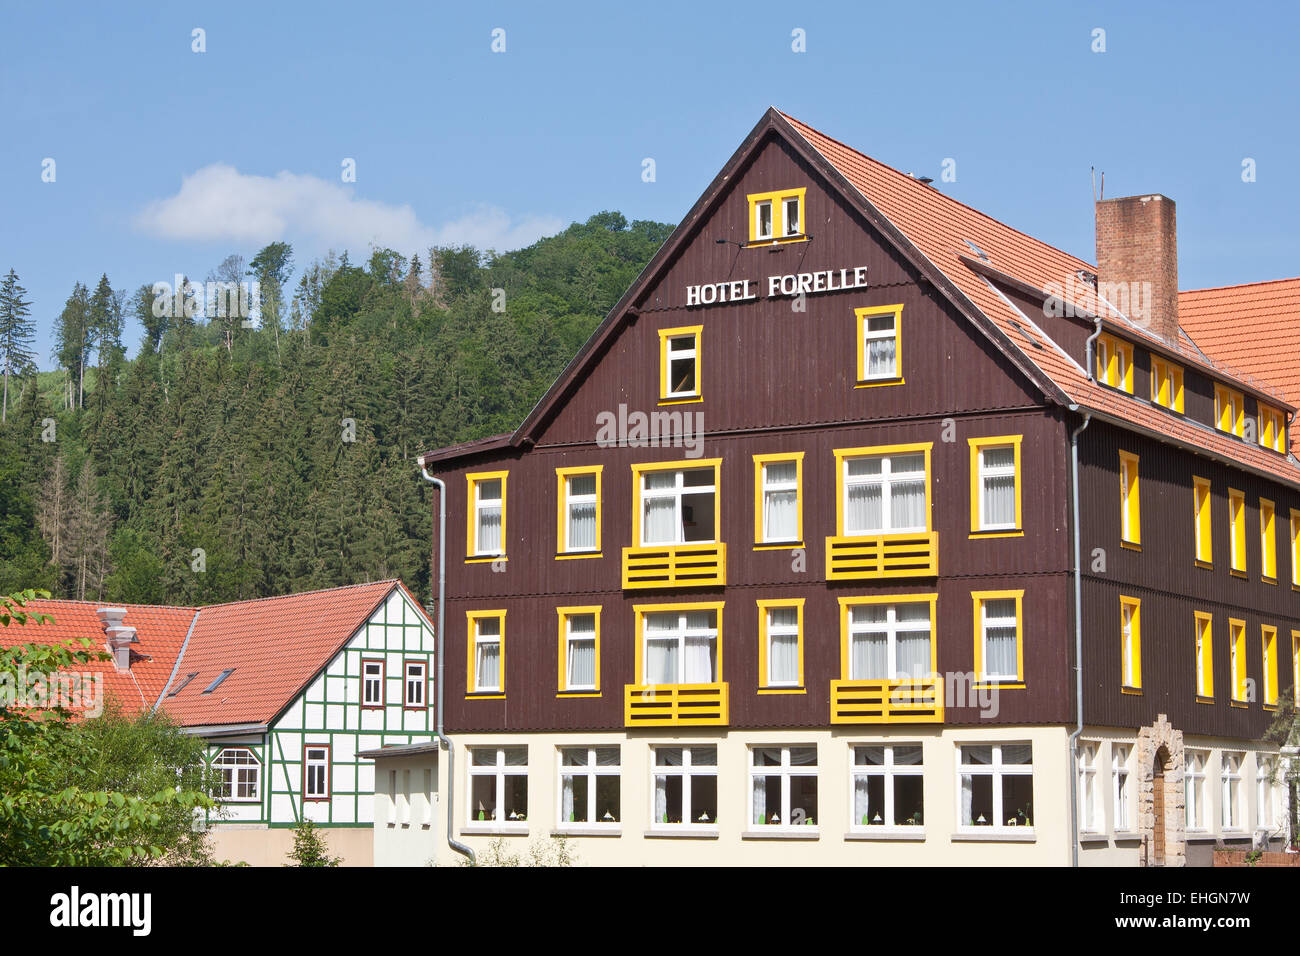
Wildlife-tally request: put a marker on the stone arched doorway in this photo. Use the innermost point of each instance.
(1161, 795)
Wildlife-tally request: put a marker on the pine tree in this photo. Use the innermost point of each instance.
(54, 516)
(88, 535)
(75, 339)
(16, 333)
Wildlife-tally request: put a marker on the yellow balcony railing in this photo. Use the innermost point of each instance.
(675, 705)
(912, 555)
(679, 565)
(911, 700)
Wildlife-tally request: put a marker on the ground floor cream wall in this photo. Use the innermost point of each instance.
(410, 821)
(271, 846)
(1047, 844)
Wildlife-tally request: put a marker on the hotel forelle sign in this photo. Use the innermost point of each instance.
(806, 283)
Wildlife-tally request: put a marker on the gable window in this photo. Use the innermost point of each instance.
(1194, 784)
(780, 662)
(486, 651)
(1237, 660)
(1204, 524)
(1115, 363)
(1267, 542)
(1130, 509)
(1130, 613)
(578, 521)
(1090, 817)
(316, 772)
(1237, 531)
(880, 345)
(486, 535)
(679, 364)
(1166, 384)
(783, 786)
(1268, 636)
(1204, 655)
(579, 664)
(995, 484)
(999, 648)
(997, 785)
(372, 684)
(680, 646)
(241, 775)
(888, 640)
(884, 492)
(1230, 411)
(776, 216)
(888, 787)
(778, 490)
(1231, 779)
(1272, 428)
(1119, 777)
(416, 682)
(589, 787)
(685, 786)
(676, 505)
(498, 785)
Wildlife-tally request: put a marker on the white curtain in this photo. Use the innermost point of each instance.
(582, 525)
(880, 357)
(781, 516)
(861, 800)
(865, 509)
(999, 486)
(913, 653)
(1000, 638)
(661, 648)
(907, 505)
(659, 515)
(967, 797)
(489, 527)
(582, 663)
(869, 657)
(783, 664)
(489, 664)
(661, 798)
(566, 812)
(760, 800)
(700, 667)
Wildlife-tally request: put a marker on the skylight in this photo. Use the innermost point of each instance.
(977, 250)
(220, 677)
(181, 686)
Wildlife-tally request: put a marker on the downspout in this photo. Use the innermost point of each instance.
(1078, 628)
(443, 739)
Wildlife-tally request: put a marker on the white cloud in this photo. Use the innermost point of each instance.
(218, 202)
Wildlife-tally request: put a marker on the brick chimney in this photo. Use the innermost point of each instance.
(120, 636)
(1137, 260)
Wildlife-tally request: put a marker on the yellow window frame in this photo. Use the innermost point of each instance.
(1205, 660)
(977, 607)
(875, 451)
(1109, 351)
(666, 394)
(861, 316)
(777, 199)
(563, 614)
(1130, 501)
(472, 481)
(1295, 666)
(1166, 384)
(1237, 531)
(977, 446)
(763, 607)
(1237, 660)
(562, 476)
(1268, 649)
(639, 611)
(1203, 522)
(1272, 428)
(471, 646)
(1134, 606)
(760, 531)
(1267, 541)
(848, 603)
(1230, 410)
(689, 464)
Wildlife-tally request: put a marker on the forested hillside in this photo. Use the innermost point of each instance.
(217, 464)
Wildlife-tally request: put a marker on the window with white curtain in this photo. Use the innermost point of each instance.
(779, 501)
(1119, 780)
(678, 507)
(685, 786)
(1230, 768)
(783, 786)
(888, 786)
(487, 653)
(589, 787)
(885, 493)
(1263, 791)
(498, 785)
(997, 487)
(681, 647)
(1089, 802)
(782, 650)
(997, 785)
(879, 345)
(488, 500)
(580, 650)
(1194, 785)
(580, 512)
(998, 615)
(889, 641)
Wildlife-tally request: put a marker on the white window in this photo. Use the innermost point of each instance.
(580, 512)
(884, 493)
(681, 647)
(685, 786)
(880, 346)
(415, 683)
(241, 774)
(487, 653)
(1230, 765)
(1263, 791)
(1119, 777)
(782, 647)
(780, 515)
(997, 785)
(589, 786)
(889, 641)
(763, 219)
(1000, 632)
(790, 206)
(681, 355)
(678, 507)
(1194, 783)
(498, 784)
(1089, 802)
(580, 651)
(316, 773)
(997, 487)
(372, 683)
(783, 786)
(888, 786)
(488, 511)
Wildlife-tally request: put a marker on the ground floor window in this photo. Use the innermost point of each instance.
(1231, 778)
(498, 784)
(1194, 785)
(1263, 791)
(1089, 805)
(888, 786)
(1119, 770)
(241, 774)
(685, 785)
(997, 785)
(589, 785)
(783, 786)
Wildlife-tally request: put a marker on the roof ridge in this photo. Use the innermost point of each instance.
(1240, 285)
(126, 604)
(280, 597)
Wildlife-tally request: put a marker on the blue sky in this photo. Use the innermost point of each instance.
(168, 160)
